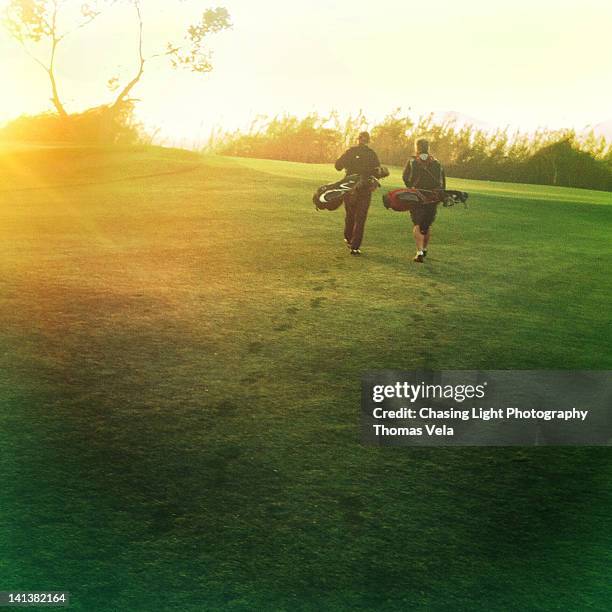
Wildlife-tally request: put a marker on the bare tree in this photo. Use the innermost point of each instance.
(36, 25)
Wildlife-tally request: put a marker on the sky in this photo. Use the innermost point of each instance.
(524, 64)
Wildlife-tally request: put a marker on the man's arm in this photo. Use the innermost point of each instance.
(341, 161)
(442, 178)
(371, 164)
(375, 160)
(407, 175)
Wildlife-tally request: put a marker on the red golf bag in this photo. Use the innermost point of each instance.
(402, 200)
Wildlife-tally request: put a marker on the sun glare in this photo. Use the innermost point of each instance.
(485, 61)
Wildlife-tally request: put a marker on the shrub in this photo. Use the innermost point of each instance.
(101, 124)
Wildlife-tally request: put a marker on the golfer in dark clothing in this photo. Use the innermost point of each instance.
(423, 172)
(363, 161)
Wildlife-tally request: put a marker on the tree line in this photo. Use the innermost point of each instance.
(545, 157)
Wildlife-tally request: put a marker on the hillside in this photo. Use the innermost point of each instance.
(183, 339)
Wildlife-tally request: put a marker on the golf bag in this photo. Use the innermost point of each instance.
(402, 200)
(331, 195)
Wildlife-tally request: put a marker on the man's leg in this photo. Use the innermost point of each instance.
(426, 237)
(422, 218)
(362, 205)
(428, 219)
(349, 218)
(416, 215)
(419, 239)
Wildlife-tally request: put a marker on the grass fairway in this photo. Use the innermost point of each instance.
(182, 345)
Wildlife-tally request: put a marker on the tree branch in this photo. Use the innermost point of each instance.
(54, 42)
(31, 55)
(126, 90)
(89, 17)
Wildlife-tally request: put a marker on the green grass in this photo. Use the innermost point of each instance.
(181, 362)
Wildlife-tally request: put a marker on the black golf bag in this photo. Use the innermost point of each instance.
(331, 195)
